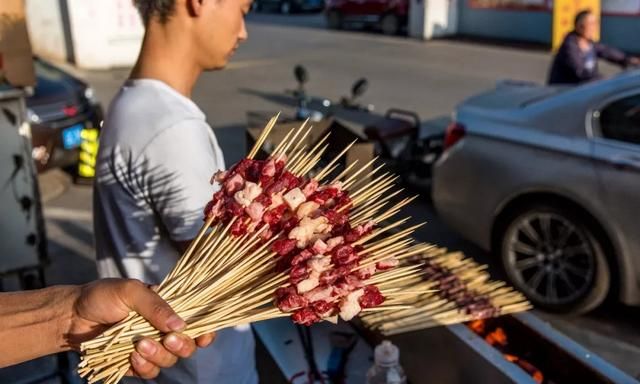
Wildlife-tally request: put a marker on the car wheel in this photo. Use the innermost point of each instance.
(390, 24)
(285, 8)
(334, 20)
(555, 259)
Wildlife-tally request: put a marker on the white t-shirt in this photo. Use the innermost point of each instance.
(157, 155)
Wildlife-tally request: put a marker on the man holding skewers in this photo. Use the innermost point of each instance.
(156, 158)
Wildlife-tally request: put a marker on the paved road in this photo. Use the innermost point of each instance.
(429, 78)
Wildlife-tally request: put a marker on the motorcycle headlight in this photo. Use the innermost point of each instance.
(32, 116)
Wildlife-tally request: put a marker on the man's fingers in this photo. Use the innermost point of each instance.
(156, 353)
(143, 368)
(180, 345)
(152, 307)
(206, 339)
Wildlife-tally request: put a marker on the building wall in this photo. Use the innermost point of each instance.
(535, 26)
(622, 32)
(93, 34)
(46, 30)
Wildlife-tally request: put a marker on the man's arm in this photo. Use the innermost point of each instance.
(611, 54)
(31, 323)
(57, 319)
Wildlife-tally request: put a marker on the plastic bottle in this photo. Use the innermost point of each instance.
(386, 369)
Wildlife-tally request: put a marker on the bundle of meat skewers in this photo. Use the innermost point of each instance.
(277, 243)
(450, 289)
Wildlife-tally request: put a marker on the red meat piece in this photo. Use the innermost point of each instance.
(233, 208)
(273, 216)
(344, 254)
(239, 228)
(290, 224)
(305, 316)
(283, 246)
(291, 181)
(332, 275)
(241, 167)
(341, 230)
(342, 200)
(298, 273)
(254, 170)
(302, 257)
(277, 186)
(263, 199)
(371, 297)
(336, 218)
(310, 188)
(321, 197)
(288, 299)
(323, 308)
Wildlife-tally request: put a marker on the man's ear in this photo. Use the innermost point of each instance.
(195, 7)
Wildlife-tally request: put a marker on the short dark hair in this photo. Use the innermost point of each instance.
(581, 16)
(161, 9)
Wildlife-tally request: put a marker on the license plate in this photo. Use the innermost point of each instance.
(71, 137)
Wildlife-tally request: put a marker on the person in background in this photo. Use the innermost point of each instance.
(57, 319)
(157, 155)
(577, 59)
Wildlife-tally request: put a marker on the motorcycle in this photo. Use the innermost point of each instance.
(395, 134)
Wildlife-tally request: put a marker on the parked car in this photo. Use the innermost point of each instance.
(289, 6)
(61, 107)
(548, 179)
(390, 16)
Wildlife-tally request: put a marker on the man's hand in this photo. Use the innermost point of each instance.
(100, 304)
(634, 61)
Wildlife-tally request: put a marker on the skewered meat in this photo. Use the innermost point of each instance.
(316, 243)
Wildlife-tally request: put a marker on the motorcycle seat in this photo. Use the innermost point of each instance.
(389, 128)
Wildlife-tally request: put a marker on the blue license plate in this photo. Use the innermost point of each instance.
(71, 137)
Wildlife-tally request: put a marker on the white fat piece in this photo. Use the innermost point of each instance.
(309, 230)
(320, 294)
(247, 194)
(319, 263)
(309, 283)
(307, 209)
(294, 198)
(350, 306)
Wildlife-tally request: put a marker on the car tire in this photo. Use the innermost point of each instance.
(285, 8)
(555, 247)
(390, 24)
(334, 20)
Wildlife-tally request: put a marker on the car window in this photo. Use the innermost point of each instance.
(620, 120)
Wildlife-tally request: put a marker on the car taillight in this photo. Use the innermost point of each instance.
(455, 131)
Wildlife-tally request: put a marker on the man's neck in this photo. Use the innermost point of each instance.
(166, 58)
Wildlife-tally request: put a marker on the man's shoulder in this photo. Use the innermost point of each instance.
(141, 115)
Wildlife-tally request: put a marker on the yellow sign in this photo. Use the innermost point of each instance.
(564, 13)
(88, 153)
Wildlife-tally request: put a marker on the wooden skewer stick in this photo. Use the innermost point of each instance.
(263, 137)
(324, 172)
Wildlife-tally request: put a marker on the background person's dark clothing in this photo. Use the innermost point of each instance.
(573, 66)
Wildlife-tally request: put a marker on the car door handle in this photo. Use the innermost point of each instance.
(626, 162)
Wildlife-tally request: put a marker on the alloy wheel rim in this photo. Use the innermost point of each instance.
(550, 258)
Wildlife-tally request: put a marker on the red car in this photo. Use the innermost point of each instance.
(390, 16)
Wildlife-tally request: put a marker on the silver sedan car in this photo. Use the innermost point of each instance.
(548, 179)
